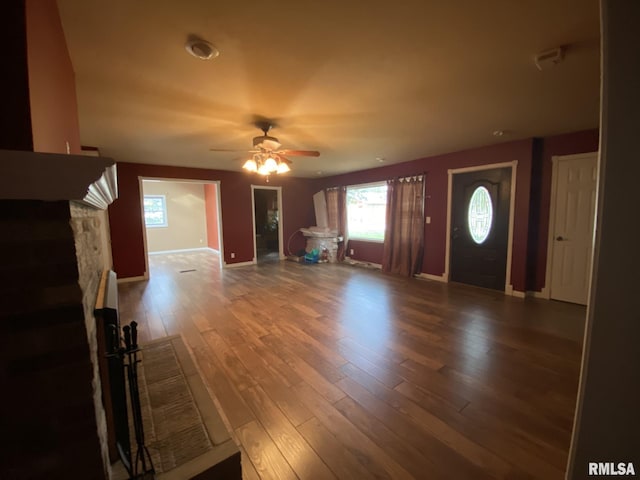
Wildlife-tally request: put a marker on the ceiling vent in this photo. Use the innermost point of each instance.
(549, 58)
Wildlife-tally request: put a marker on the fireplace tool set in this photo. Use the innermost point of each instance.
(124, 364)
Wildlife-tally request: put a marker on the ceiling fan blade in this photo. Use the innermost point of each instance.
(284, 159)
(300, 153)
(232, 150)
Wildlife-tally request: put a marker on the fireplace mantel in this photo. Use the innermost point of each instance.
(54, 176)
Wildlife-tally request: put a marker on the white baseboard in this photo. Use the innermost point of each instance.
(430, 276)
(141, 278)
(514, 293)
(542, 294)
(361, 263)
(184, 250)
(239, 264)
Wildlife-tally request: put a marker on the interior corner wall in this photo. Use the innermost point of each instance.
(186, 224)
(211, 212)
(125, 214)
(52, 90)
(607, 425)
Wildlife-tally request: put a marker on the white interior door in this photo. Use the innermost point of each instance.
(575, 179)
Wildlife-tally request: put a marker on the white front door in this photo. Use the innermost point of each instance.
(575, 178)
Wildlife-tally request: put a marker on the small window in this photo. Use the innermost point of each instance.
(155, 211)
(366, 211)
(480, 215)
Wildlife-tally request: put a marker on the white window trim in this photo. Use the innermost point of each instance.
(164, 208)
(359, 186)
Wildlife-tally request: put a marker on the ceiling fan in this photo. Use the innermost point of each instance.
(268, 158)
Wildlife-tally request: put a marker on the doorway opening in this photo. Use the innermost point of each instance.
(179, 216)
(267, 224)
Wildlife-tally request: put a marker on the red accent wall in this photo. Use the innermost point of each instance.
(39, 107)
(211, 212)
(125, 214)
(365, 251)
(54, 109)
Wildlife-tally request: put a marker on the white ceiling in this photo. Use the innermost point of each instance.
(355, 80)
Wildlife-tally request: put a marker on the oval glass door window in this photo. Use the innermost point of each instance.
(480, 215)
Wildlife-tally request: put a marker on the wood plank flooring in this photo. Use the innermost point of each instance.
(334, 371)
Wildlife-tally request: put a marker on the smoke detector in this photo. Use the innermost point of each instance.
(201, 48)
(549, 58)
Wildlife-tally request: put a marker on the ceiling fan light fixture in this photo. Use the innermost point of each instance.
(250, 165)
(283, 168)
(270, 164)
(263, 170)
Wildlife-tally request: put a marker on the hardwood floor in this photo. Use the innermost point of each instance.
(333, 371)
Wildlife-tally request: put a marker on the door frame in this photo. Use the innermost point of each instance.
(141, 178)
(555, 161)
(508, 288)
(280, 220)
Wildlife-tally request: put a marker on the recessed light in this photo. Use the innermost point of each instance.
(380, 159)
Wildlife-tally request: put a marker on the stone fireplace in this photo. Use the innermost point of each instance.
(51, 259)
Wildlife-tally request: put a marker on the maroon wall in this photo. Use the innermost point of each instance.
(365, 251)
(436, 202)
(125, 214)
(211, 213)
(54, 110)
(39, 109)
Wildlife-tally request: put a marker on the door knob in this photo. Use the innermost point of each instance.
(560, 238)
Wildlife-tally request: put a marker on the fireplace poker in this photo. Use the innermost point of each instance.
(143, 457)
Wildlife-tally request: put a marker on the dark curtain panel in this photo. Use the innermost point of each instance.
(337, 215)
(404, 232)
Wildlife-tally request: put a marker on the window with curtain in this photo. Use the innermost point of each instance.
(366, 211)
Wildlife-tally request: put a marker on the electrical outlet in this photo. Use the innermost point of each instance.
(351, 251)
(428, 220)
(233, 255)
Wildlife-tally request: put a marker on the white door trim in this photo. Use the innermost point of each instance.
(508, 287)
(184, 180)
(280, 220)
(546, 290)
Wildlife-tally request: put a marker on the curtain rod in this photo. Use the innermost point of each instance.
(418, 176)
